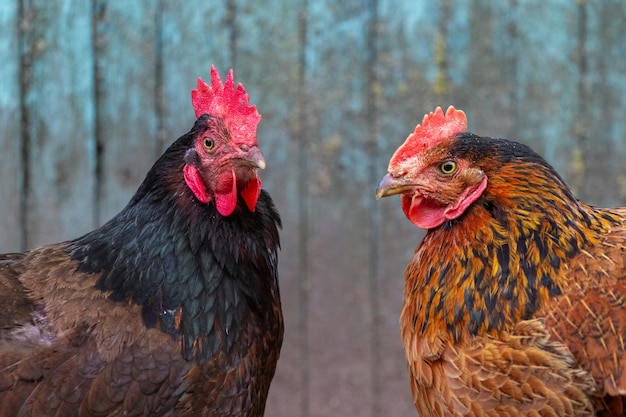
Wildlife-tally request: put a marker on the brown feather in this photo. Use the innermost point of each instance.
(590, 316)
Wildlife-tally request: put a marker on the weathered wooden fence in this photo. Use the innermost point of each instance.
(91, 92)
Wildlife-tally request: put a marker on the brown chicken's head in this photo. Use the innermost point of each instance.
(435, 185)
(223, 160)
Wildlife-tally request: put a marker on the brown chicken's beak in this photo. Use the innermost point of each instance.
(389, 186)
(254, 156)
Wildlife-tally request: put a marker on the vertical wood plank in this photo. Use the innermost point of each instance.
(372, 128)
(59, 120)
(193, 36)
(546, 79)
(340, 317)
(300, 129)
(11, 167)
(126, 120)
(604, 170)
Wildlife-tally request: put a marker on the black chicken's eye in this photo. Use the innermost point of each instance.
(208, 143)
(447, 167)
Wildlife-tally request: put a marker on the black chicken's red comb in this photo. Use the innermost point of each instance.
(229, 103)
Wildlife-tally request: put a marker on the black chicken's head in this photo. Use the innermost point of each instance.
(217, 167)
(223, 159)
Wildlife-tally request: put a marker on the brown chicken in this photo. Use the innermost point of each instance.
(515, 300)
(171, 308)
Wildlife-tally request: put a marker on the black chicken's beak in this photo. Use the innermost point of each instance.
(252, 155)
(389, 186)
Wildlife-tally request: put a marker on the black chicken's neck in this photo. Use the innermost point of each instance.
(196, 274)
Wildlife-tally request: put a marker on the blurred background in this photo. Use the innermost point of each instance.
(92, 92)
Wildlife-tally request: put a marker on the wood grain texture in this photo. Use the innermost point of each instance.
(126, 42)
(337, 63)
(59, 130)
(11, 167)
(193, 37)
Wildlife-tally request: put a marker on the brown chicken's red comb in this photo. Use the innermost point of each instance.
(231, 104)
(435, 127)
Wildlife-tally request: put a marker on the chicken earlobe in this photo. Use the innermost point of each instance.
(467, 197)
(428, 214)
(195, 184)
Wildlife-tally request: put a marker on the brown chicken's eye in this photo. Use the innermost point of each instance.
(208, 143)
(447, 167)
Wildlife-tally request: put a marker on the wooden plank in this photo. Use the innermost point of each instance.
(604, 146)
(194, 36)
(546, 81)
(340, 316)
(126, 72)
(59, 120)
(11, 183)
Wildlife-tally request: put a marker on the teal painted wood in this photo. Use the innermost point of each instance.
(126, 99)
(11, 167)
(60, 119)
(337, 79)
(193, 36)
(602, 140)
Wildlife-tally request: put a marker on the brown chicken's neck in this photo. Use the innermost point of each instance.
(500, 262)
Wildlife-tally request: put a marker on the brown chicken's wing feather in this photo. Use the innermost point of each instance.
(590, 317)
(521, 373)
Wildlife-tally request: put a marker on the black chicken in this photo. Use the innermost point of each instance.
(171, 308)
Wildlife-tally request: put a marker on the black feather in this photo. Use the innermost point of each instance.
(168, 252)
